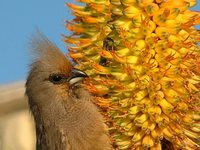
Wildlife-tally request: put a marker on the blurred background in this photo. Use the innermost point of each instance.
(19, 19)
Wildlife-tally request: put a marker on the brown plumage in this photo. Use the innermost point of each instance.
(65, 118)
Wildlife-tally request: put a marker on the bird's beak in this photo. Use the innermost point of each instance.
(77, 76)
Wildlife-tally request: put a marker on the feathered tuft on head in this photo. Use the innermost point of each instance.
(48, 54)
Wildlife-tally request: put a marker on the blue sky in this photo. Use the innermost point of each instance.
(18, 20)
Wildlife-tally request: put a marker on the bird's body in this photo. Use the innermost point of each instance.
(65, 117)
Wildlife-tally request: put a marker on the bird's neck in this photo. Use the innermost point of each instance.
(41, 142)
(48, 137)
(75, 127)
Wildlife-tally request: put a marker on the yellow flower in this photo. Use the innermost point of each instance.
(143, 60)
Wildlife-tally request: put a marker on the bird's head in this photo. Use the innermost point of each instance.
(51, 75)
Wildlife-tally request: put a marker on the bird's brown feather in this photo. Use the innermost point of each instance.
(65, 117)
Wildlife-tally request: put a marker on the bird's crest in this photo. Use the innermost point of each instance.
(48, 53)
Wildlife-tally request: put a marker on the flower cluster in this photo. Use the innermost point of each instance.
(143, 60)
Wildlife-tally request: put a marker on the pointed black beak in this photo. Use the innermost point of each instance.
(77, 76)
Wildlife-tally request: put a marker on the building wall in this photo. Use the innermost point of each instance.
(16, 122)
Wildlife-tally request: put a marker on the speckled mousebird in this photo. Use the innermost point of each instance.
(65, 117)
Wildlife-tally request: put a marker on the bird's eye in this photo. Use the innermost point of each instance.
(56, 78)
